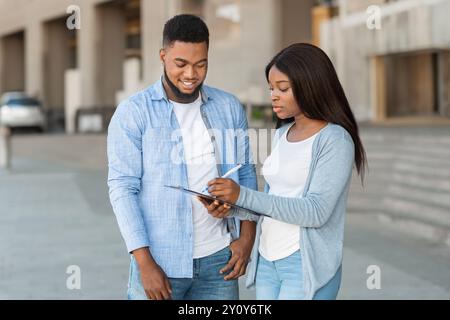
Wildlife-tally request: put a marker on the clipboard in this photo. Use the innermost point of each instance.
(211, 199)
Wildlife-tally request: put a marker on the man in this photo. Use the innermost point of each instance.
(173, 134)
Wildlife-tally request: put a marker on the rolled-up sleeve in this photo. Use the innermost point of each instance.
(124, 147)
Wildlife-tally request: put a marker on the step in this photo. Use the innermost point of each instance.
(430, 134)
(433, 197)
(418, 157)
(382, 178)
(377, 165)
(432, 201)
(442, 141)
(408, 182)
(417, 209)
(399, 149)
(408, 168)
(395, 205)
(415, 227)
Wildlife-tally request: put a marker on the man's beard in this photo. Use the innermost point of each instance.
(180, 95)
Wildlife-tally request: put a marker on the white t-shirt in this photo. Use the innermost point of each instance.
(286, 171)
(210, 234)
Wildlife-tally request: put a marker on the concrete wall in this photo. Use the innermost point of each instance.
(111, 53)
(444, 81)
(132, 82)
(72, 97)
(297, 22)
(226, 69)
(355, 6)
(2, 75)
(261, 40)
(56, 62)
(12, 62)
(406, 26)
(153, 16)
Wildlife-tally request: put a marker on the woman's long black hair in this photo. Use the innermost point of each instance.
(318, 92)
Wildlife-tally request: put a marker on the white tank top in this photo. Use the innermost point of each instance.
(286, 171)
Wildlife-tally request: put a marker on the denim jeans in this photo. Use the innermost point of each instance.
(283, 280)
(206, 284)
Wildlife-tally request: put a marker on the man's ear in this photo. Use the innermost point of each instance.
(162, 55)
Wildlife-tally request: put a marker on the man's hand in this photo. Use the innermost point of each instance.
(154, 280)
(155, 283)
(241, 250)
(216, 209)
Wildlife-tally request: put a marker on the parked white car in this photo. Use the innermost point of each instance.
(19, 110)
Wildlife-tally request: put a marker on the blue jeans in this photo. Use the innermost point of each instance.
(207, 283)
(283, 280)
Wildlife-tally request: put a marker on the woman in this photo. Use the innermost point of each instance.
(299, 241)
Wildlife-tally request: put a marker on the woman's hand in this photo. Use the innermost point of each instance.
(224, 189)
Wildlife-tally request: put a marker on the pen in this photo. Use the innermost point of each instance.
(226, 175)
(231, 171)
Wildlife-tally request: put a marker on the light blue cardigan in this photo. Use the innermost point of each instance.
(320, 212)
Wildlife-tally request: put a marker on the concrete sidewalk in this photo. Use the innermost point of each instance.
(52, 220)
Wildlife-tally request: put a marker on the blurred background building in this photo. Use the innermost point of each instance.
(116, 50)
(400, 70)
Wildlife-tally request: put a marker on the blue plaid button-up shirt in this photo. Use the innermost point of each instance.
(145, 152)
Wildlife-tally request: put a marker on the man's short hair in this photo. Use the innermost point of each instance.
(185, 28)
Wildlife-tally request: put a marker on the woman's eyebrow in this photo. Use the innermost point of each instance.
(282, 81)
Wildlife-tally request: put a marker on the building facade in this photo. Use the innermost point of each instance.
(393, 58)
(90, 54)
